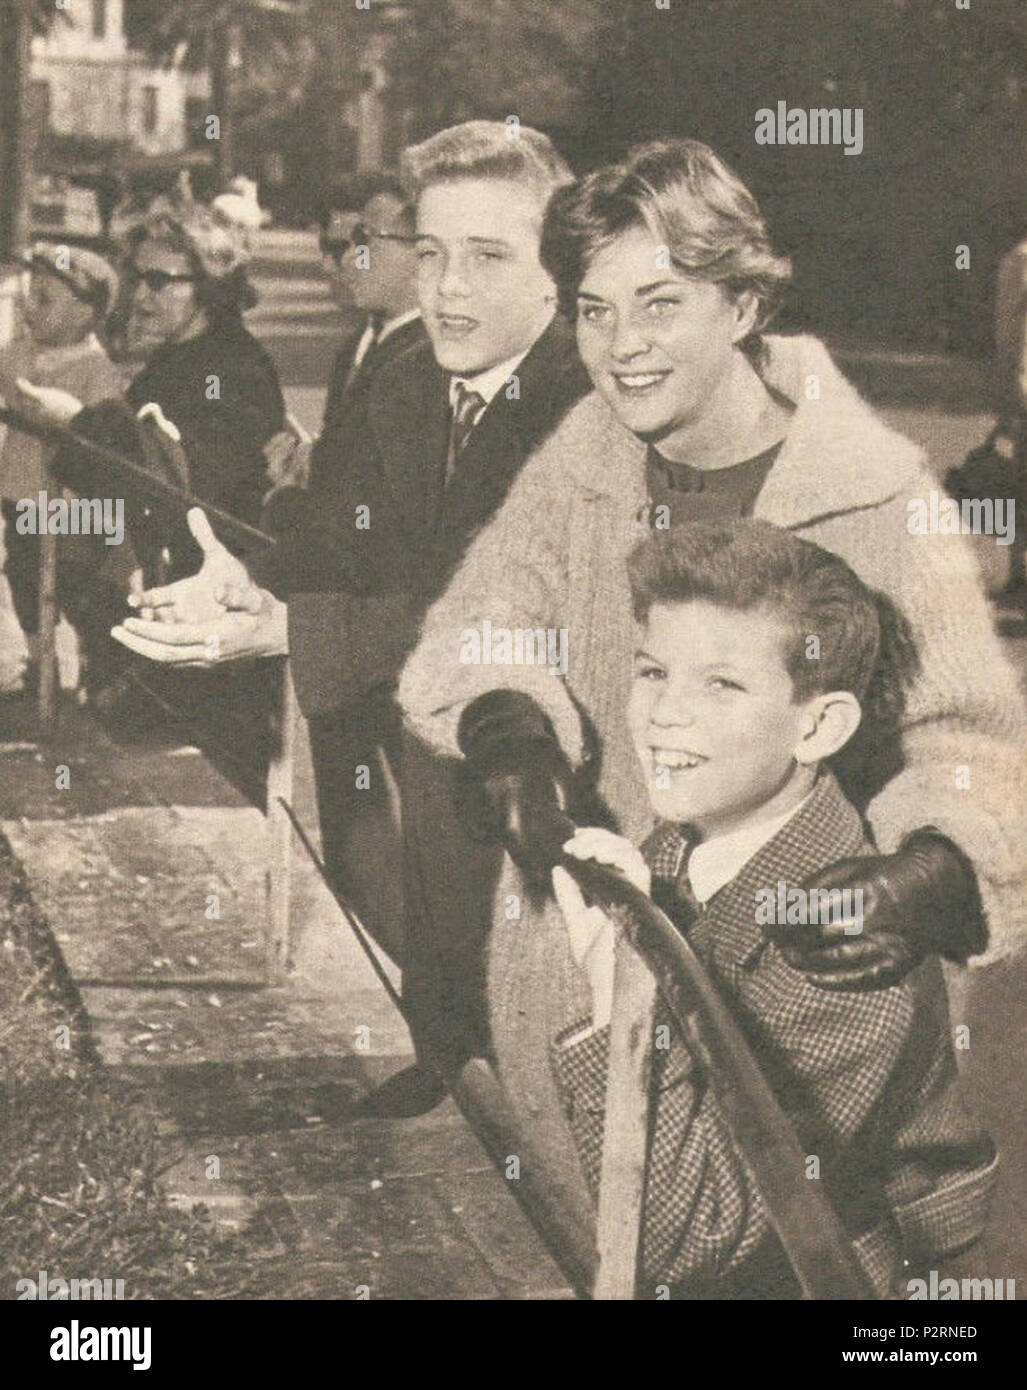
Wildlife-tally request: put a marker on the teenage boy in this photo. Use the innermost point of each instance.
(449, 427)
(734, 715)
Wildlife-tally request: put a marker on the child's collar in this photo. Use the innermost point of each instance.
(716, 861)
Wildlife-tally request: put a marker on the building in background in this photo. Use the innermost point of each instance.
(86, 82)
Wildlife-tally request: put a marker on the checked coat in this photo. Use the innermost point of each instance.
(869, 1082)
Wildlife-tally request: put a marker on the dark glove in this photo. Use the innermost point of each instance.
(921, 901)
(515, 785)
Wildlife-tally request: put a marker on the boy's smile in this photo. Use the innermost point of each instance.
(713, 716)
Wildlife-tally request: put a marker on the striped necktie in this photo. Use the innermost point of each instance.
(467, 411)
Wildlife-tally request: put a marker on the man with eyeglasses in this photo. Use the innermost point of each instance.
(367, 247)
(448, 427)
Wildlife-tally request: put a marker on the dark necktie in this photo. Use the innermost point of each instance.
(668, 856)
(467, 411)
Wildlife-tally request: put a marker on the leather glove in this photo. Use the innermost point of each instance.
(515, 784)
(921, 901)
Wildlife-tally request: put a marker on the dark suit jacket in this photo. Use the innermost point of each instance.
(358, 582)
(344, 408)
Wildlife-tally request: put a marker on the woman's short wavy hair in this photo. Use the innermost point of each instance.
(691, 202)
(216, 253)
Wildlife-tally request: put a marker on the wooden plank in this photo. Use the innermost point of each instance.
(626, 1128)
(279, 837)
(47, 635)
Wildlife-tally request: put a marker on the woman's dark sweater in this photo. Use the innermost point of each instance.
(224, 423)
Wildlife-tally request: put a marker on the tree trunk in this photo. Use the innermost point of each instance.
(15, 35)
(223, 49)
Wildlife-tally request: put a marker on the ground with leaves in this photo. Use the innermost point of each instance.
(80, 1159)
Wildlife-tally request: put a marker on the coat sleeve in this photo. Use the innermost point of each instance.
(513, 576)
(964, 730)
(703, 1216)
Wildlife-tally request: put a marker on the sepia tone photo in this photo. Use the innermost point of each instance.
(513, 633)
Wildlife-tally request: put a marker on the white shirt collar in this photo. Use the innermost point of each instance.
(388, 327)
(715, 862)
(488, 383)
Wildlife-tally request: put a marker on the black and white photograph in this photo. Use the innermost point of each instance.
(513, 657)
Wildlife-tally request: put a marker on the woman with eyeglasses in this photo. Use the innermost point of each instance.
(214, 386)
(213, 394)
(203, 368)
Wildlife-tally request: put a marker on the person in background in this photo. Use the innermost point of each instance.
(367, 246)
(59, 359)
(207, 393)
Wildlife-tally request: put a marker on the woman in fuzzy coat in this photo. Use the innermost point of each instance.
(665, 262)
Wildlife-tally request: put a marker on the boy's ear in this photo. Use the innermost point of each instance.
(746, 310)
(828, 722)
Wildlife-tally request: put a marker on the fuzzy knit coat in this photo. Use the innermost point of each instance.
(554, 557)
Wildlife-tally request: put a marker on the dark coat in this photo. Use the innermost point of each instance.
(357, 592)
(222, 437)
(223, 429)
(346, 402)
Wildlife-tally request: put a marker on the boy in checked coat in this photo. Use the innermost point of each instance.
(757, 652)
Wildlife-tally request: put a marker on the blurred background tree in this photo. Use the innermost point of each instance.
(874, 236)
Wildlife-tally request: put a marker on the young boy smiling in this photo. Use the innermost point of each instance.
(756, 653)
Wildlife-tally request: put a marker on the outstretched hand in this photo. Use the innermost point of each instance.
(215, 615)
(222, 582)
